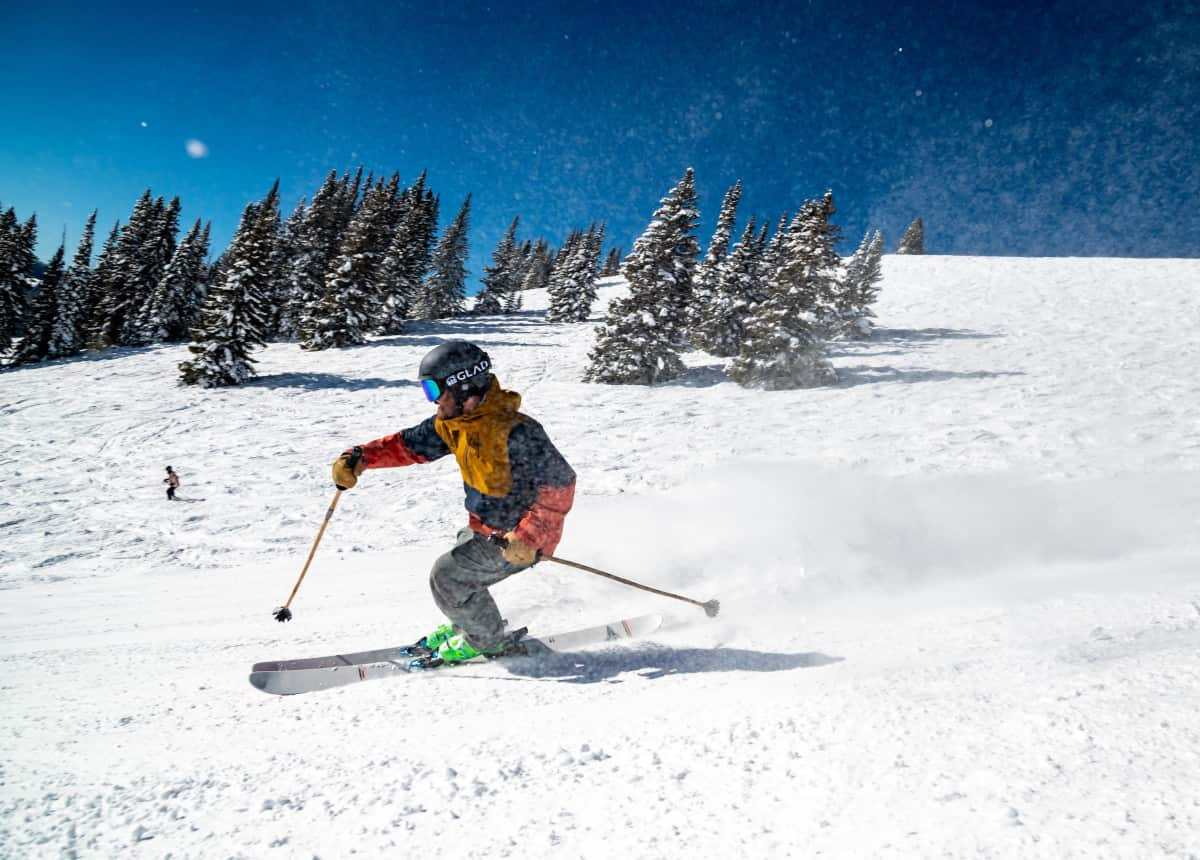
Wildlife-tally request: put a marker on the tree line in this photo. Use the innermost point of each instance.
(771, 303)
(359, 259)
(364, 256)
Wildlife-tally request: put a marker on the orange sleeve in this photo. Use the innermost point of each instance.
(389, 451)
(542, 526)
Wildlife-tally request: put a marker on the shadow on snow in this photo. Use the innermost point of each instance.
(656, 662)
(848, 377)
(318, 381)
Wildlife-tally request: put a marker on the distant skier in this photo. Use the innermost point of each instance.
(518, 487)
(172, 481)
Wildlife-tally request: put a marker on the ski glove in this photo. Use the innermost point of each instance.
(347, 468)
(516, 551)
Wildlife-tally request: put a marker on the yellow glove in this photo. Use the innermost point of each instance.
(347, 468)
(517, 552)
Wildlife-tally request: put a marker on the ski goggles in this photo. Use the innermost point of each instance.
(431, 388)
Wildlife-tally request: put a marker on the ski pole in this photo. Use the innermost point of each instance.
(282, 613)
(710, 607)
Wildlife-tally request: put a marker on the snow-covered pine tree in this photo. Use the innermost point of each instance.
(206, 276)
(524, 259)
(287, 248)
(913, 240)
(559, 282)
(169, 313)
(498, 277)
(121, 293)
(859, 291)
(407, 257)
(236, 310)
(318, 237)
(16, 267)
(783, 347)
(154, 256)
(387, 204)
(591, 271)
(70, 324)
(612, 263)
(577, 291)
(347, 311)
(642, 334)
(446, 284)
(809, 262)
(348, 200)
(772, 255)
(538, 269)
(738, 288)
(39, 325)
(718, 248)
(96, 314)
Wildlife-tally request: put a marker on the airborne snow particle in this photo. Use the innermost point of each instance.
(145, 124)
(196, 148)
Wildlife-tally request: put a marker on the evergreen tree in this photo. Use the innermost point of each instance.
(498, 278)
(524, 259)
(171, 310)
(317, 238)
(537, 271)
(96, 307)
(559, 282)
(406, 260)
(206, 276)
(155, 254)
(809, 267)
(913, 240)
(445, 286)
(287, 247)
(642, 334)
(612, 263)
(718, 248)
(347, 309)
(122, 286)
(783, 347)
(575, 292)
(772, 255)
(236, 309)
(16, 274)
(859, 291)
(721, 329)
(35, 345)
(11, 299)
(348, 201)
(70, 324)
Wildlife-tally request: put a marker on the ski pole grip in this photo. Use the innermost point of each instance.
(502, 542)
(356, 455)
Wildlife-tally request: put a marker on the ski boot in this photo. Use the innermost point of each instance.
(457, 649)
(431, 642)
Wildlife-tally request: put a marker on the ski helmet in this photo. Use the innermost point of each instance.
(456, 366)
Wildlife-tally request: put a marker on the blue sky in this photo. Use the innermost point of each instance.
(1034, 129)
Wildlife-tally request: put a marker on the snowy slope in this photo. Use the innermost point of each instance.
(961, 615)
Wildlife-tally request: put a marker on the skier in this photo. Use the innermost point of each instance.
(172, 481)
(518, 492)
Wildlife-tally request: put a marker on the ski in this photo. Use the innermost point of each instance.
(306, 675)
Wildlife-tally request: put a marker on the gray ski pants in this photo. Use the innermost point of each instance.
(460, 580)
